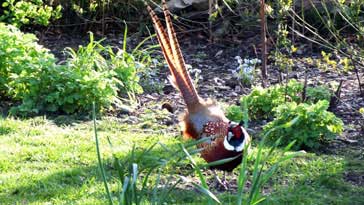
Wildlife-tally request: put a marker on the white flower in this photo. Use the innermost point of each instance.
(238, 58)
(155, 61)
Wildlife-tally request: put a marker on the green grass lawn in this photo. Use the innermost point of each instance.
(54, 161)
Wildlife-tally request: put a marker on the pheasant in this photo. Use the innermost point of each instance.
(203, 118)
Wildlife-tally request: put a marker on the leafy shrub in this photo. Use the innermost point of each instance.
(234, 113)
(20, 12)
(69, 88)
(29, 74)
(21, 62)
(126, 68)
(314, 94)
(310, 125)
(261, 101)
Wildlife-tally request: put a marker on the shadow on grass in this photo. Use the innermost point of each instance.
(84, 181)
(319, 179)
(69, 183)
(323, 189)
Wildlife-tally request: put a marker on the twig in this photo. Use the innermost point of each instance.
(264, 42)
(304, 88)
(336, 97)
(357, 76)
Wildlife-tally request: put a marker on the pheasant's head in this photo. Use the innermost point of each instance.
(235, 138)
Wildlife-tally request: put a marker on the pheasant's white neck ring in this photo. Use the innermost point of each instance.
(232, 143)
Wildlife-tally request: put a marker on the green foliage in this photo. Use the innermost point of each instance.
(234, 113)
(261, 101)
(314, 94)
(21, 62)
(84, 79)
(126, 68)
(308, 125)
(94, 73)
(20, 12)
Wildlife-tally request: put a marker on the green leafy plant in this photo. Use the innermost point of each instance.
(311, 125)
(314, 94)
(36, 12)
(47, 87)
(260, 102)
(93, 73)
(21, 62)
(234, 113)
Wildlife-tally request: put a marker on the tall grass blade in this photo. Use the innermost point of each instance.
(124, 40)
(206, 192)
(243, 174)
(109, 197)
(200, 175)
(124, 190)
(220, 162)
(134, 183)
(155, 189)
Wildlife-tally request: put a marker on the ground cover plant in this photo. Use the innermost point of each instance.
(261, 102)
(30, 75)
(312, 125)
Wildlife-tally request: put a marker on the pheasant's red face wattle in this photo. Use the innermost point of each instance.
(237, 131)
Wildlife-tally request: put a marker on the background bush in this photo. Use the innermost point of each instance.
(312, 125)
(35, 12)
(261, 102)
(21, 62)
(30, 75)
(308, 123)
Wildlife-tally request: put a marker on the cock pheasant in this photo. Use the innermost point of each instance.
(203, 118)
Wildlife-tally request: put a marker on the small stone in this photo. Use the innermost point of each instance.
(219, 53)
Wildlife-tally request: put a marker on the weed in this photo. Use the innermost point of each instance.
(260, 102)
(311, 125)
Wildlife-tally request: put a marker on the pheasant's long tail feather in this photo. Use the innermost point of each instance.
(172, 54)
(176, 51)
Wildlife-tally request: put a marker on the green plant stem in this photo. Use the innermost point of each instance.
(99, 155)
